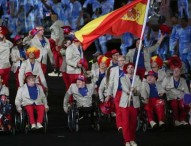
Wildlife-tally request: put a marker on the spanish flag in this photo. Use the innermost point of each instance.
(129, 18)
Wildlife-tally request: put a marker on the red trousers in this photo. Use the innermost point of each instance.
(129, 123)
(155, 105)
(5, 75)
(65, 77)
(72, 78)
(57, 58)
(117, 109)
(141, 72)
(44, 68)
(180, 110)
(40, 113)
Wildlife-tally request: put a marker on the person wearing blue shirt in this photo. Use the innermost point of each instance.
(151, 91)
(31, 97)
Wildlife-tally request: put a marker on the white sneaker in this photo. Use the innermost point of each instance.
(153, 124)
(161, 123)
(177, 123)
(127, 144)
(113, 114)
(53, 74)
(190, 120)
(38, 126)
(33, 126)
(184, 123)
(60, 75)
(133, 143)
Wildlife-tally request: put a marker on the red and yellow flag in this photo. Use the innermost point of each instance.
(129, 18)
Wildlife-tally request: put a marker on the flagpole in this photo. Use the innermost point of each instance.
(139, 49)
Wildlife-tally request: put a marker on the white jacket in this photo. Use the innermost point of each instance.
(145, 89)
(23, 97)
(5, 49)
(82, 101)
(126, 88)
(171, 91)
(15, 54)
(37, 70)
(113, 81)
(57, 32)
(73, 56)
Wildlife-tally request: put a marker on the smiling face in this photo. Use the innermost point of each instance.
(31, 55)
(80, 83)
(31, 80)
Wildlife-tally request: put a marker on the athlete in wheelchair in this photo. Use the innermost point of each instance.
(6, 123)
(30, 99)
(176, 87)
(154, 104)
(81, 104)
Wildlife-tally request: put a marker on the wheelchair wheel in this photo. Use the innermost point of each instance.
(25, 122)
(73, 119)
(45, 122)
(12, 129)
(97, 127)
(145, 124)
(18, 122)
(145, 127)
(139, 123)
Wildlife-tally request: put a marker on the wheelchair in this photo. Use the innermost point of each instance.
(75, 114)
(142, 119)
(22, 123)
(6, 116)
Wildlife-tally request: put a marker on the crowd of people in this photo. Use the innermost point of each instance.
(162, 72)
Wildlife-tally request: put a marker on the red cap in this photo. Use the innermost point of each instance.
(114, 51)
(75, 40)
(81, 77)
(151, 73)
(27, 74)
(33, 32)
(67, 29)
(3, 30)
(17, 38)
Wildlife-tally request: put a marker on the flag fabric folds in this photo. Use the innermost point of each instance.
(129, 18)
